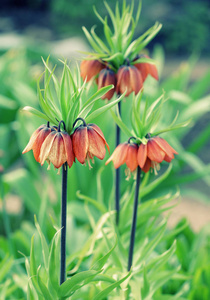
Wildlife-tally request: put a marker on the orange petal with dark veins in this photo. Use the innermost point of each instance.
(57, 154)
(96, 145)
(99, 132)
(154, 152)
(68, 149)
(131, 159)
(143, 69)
(123, 81)
(153, 71)
(119, 155)
(165, 145)
(46, 146)
(80, 143)
(142, 155)
(39, 141)
(33, 139)
(135, 79)
(147, 165)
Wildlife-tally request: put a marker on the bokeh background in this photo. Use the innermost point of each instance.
(31, 29)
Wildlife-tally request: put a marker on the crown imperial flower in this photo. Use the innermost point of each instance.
(107, 77)
(88, 141)
(90, 68)
(154, 152)
(128, 78)
(37, 140)
(57, 149)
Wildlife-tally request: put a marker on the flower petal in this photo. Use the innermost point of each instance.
(57, 155)
(96, 145)
(135, 79)
(123, 81)
(90, 68)
(80, 143)
(154, 152)
(153, 71)
(143, 69)
(68, 148)
(147, 165)
(131, 159)
(119, 155)
(46, 146)
(165, 146)
(142, 155)
(39, 141)
(33, 138)
(98, 130)
(107, 77)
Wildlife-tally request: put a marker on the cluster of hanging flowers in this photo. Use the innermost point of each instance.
(54, 146)
(146, 156)
(118, 59)
(129, 77)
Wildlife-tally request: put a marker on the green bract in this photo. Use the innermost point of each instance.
(67, 99)
(145, 118)
(119, 46)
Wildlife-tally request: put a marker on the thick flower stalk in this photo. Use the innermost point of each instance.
(88, 141)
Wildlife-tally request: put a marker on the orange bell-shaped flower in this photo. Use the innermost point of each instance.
(88, 141)
(147, 69)
(90, 68)
(125, 153)
(107, 77)
(37, 139)
(153, 153)
(57, 149)
(128, 78)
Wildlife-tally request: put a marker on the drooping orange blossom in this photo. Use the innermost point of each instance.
(146, 156)
(88, 141)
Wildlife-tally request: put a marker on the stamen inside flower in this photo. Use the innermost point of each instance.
(155, 166)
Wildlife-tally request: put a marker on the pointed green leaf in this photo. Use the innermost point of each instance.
(98, 265)
(36, 112)
(45, 248)
(43, 287)
(110, 288)
(75, 282)
(104, 108)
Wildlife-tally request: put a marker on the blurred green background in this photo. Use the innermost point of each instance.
(30, 30)
(186, 24)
